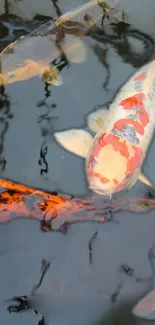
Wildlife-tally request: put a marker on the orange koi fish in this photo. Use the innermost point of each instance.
(23, 201)
(123, 134)
(56, 211)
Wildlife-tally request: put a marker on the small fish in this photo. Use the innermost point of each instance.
(123, 134)
(32, 54)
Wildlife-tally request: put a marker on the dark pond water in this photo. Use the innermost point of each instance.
(73, 291)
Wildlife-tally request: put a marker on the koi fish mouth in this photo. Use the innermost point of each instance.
(101, 192)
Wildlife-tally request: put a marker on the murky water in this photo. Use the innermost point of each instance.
(73, 291)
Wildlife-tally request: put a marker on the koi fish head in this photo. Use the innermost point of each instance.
(112, 164)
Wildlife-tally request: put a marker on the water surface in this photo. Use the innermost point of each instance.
(29, 115)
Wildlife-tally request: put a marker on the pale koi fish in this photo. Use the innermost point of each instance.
(123, 134)
(145, 308)
(32, 54)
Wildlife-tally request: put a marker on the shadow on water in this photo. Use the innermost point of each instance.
(30, 112)
(5, 117)
(116, 312)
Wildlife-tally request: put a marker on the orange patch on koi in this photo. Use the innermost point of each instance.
(117, 144)
(122, 147)
(134, 161)
(128, 104)
(119, 125)
(103, 180)
(115, 181)
(26, 71)
(140, 76)
(137, 101)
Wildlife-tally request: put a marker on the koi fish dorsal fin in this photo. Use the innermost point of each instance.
(76, 141)
(96, 120)
(146, 307)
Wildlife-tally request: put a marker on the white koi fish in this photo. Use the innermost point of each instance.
(31, 55)
(123, 134)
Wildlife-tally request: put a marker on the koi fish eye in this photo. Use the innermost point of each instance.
(92, 162)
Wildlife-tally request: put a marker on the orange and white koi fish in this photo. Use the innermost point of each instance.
(32, 54)
(123, 134)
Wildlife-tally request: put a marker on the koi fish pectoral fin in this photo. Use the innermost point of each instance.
(74, 49)
(146, 307)
(144, 180)
(96, 120)
(76, 141)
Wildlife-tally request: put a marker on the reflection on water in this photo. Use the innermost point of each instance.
(55, 210)
(12, 26)
(120, 40)
(42, 302)
(5, 117)
(42, 159)
(57, 8)
(46, 119)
